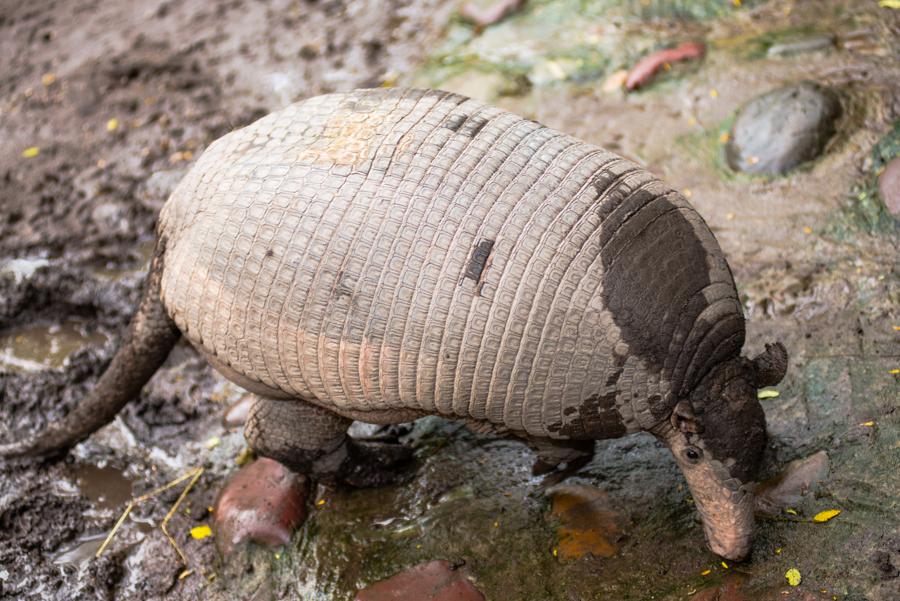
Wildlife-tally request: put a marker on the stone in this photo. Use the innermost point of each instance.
(236, 413)
(432, 581)
(777, 131)
(889, 186)
(801, 45)
(263, 502)
(588, 525)
(787, 488)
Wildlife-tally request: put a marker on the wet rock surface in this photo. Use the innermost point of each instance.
(263, 502)
(782, 129)
(432, 581)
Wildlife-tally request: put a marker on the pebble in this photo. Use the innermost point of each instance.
(889, 186)
(263, 502)
(236, 413)
(781, 129)
(800, 45)
(432, 581)
(787, 488)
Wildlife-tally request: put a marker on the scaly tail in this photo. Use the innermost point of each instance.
(151, 336)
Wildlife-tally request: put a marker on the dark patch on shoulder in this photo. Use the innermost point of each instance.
(653, 265)
(478, 260)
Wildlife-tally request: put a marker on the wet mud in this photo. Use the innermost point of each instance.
(105, 105)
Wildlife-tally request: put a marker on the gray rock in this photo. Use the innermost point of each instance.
(800, 45)
(777, 131)
(889, 186)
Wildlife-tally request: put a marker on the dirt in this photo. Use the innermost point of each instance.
(105, 105)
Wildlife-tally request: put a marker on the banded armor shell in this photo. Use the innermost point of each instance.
(408, 249)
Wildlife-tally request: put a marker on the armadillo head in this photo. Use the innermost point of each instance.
(718, 436)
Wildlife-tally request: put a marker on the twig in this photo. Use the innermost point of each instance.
(193, 475)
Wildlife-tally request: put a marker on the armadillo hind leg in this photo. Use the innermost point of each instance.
(312, 440)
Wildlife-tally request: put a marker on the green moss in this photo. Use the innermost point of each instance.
(707, 146)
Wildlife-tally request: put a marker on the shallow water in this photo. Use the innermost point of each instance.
(38, 347)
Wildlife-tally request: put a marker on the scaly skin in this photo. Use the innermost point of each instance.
(386, 254)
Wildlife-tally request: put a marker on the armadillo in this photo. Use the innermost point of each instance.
(386, 254)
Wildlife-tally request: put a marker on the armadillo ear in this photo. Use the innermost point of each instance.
(771, 365)
(683, 418)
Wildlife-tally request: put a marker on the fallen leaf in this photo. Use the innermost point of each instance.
(212, 442)
(767, 394)
(868, 424)
(895, 4)
(894, 371)
(31, 152)
(201, 532)
(705, 572)
(47, 79)
(793, 576)
(724, 565)
(112, 124)
(824, 516)
(791, 511)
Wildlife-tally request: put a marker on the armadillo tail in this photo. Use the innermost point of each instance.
(150, 337)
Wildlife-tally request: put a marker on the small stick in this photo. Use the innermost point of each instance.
(194, 475)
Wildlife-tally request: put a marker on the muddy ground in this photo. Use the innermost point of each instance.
(105, 105)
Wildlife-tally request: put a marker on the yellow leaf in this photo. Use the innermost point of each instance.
(31, 152)
(894, 371)
(555, 552)
(185, 574)
(201, 532)
(791, 511)
(793, 576)
(824, 516)
(713, 93)
(724, 137)
(889, 4)
(212, 442)
(767, 394)
(112, 124)
(724, 565)
(868, 424)
(320, 502)
(48, 78)
(705, 572)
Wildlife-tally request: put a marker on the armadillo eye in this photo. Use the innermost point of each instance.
(693, 454)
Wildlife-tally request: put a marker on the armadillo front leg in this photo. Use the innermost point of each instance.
(311, 440)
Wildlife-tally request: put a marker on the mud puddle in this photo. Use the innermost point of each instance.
(38, 347)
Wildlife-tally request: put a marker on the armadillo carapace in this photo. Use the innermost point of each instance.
(385, 254)
(411, 250)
